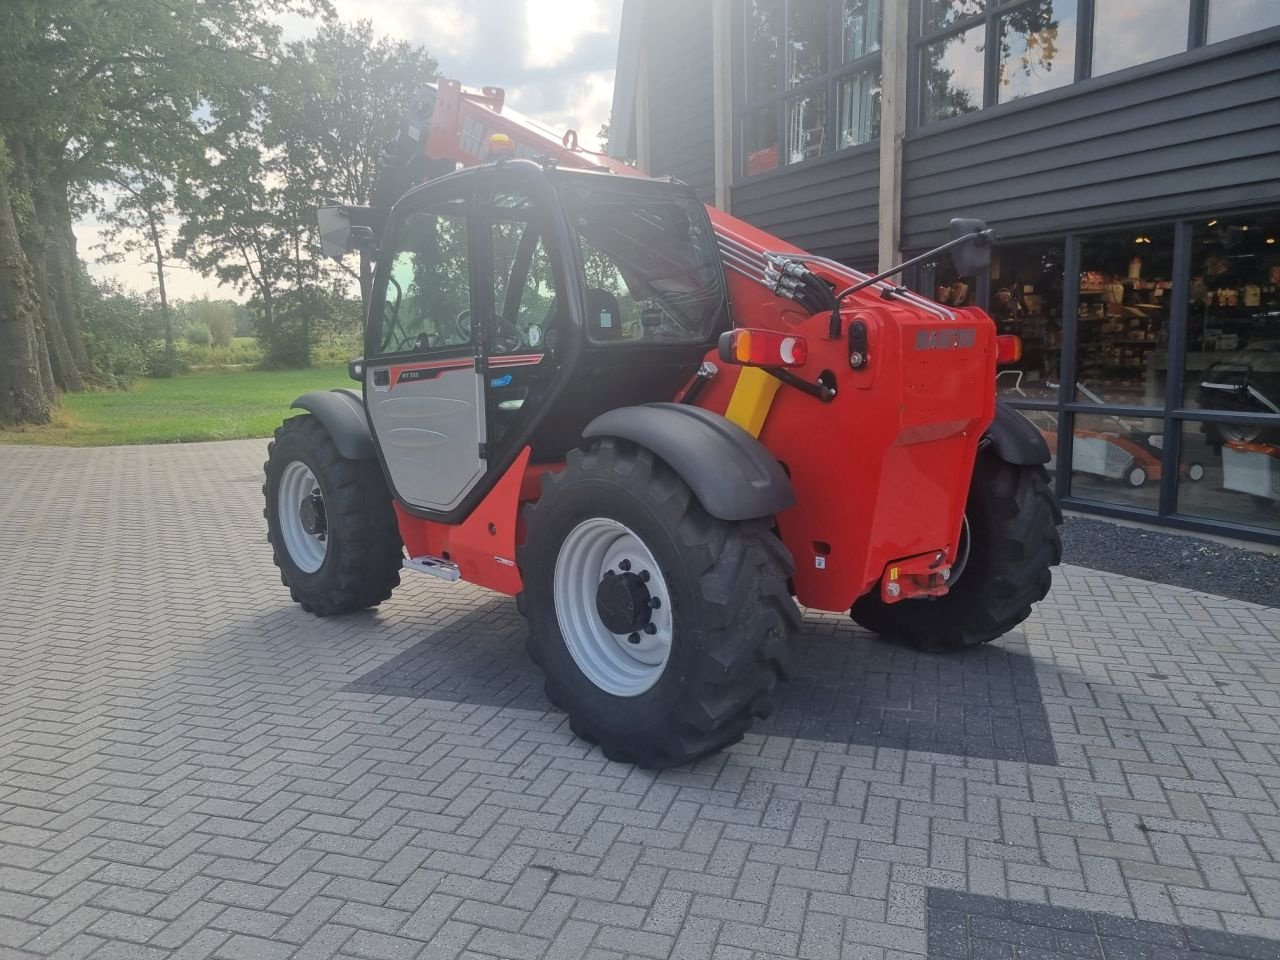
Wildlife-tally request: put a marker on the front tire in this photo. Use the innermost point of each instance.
(701, 663)
(1013, 542)
(330, 522)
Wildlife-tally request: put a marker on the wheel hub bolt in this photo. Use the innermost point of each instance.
(634, 638)
(655, 603)
(624, 566)
(644, 576)
(650, 629)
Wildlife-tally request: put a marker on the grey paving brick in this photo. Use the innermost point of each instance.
(967, 926)
(191, 767)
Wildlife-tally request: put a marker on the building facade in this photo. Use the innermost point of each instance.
(1127, 152)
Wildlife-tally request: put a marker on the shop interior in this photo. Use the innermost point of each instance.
(1227, 425)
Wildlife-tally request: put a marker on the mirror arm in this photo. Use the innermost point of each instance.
(986, 236)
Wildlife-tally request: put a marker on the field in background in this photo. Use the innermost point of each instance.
(208, 405)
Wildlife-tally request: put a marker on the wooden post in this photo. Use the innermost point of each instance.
(722, 110)
(893, 127)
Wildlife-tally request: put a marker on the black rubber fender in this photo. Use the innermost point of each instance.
(341, 412)
(1014, 439)
(733, 475)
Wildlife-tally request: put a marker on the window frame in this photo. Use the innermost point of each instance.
(461, 191)
(988, 19)
(1197, 28)
(827, 84)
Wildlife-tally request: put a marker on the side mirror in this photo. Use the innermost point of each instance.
(335, 232)
(339, 235)
(973, 257)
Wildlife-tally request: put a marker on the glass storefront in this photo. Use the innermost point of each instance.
(1026, 299)
(1233, 316)
(1116, 459)
(1124, 298)
(1230, 472)
(1173, 409)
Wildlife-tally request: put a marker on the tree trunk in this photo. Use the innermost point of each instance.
(66, 373)
(23, 397)
(164, 297)
(66, 376)
(63, 267)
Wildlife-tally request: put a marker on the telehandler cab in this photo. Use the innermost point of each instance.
(657, 427)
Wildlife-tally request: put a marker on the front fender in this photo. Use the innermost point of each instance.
(733, 475)
(1014, 439)
(342, 414)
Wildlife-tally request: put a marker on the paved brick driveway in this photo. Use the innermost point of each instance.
(191, 767)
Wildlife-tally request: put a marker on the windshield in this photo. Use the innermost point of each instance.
(650, 262)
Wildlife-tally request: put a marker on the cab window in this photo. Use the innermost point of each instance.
(650, 266)
(524, 284)
(428, 296)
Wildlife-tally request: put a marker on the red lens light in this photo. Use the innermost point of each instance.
(1008, 349)
(763, 348)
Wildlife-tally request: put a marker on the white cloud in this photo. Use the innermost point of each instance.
(585, 108)
(555, 28)
(445, 27)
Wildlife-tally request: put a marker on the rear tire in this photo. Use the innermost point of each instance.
(1013, 534)
(353, 561)
(728, 611)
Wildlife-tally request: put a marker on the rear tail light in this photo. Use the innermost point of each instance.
(1008, 349)
(763, 348)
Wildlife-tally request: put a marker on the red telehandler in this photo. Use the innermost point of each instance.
(657, 427)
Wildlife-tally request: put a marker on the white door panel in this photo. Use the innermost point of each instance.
(430, 431)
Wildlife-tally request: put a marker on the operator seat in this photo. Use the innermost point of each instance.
(604, 315)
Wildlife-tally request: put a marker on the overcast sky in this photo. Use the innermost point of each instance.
(554, 57)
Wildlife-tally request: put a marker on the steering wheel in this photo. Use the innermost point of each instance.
(414, 343)
(509, 338)
(463, 324)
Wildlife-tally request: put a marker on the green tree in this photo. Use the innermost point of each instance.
(135, 226)
(334, 102)
(94, 91)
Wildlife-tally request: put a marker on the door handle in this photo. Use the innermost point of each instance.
(381, 377)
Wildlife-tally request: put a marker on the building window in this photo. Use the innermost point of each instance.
(1036, 48)
(1234, 18)
(1124, 303)
(974, 53)
(1116, 458)
(811, 83)
(1230, 472)
(953, 74)
(1129, 32)
(1233, 316)
(1026, 299)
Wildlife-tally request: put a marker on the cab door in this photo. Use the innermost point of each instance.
(424, 388)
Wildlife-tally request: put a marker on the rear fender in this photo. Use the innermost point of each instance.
(733, 475)
(342, 414)
(1014, 439)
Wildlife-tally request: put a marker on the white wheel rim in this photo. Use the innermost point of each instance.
(298, 486)
(611, 661)
(1196, 471)
(1137, 477)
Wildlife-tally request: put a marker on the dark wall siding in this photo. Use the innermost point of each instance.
(826, 206)
(1200, 135)
(677, 52)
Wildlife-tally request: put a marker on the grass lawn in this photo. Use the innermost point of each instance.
(211, 405)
